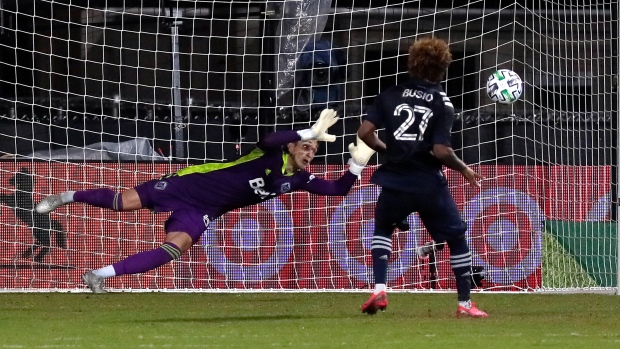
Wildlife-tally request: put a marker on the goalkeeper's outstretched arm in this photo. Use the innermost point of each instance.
(360, 155)
(339, 187)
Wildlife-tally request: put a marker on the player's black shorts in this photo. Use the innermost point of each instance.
(437, 210)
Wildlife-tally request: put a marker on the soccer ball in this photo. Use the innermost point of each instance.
(504, 86)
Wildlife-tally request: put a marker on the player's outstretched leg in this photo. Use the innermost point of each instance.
(100, 197)
(94, 282)
(137, 263)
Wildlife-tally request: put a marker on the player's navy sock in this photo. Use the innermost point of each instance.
(460, 261)
(381, 250)
(147, 260)
(101, 197)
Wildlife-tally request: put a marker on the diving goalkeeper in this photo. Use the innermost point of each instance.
(197, 195)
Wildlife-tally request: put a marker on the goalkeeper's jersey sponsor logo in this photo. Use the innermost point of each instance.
(258, 184)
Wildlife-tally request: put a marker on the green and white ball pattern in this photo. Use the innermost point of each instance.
(504, 86)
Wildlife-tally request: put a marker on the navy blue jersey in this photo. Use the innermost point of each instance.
(416, 115)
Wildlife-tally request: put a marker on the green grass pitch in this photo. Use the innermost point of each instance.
(304, 320)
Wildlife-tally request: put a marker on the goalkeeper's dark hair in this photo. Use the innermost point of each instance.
(429, 59)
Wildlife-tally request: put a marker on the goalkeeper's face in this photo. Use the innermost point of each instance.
(302, 153)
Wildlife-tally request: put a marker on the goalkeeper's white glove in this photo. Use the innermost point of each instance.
(318, 131)
(360, 154)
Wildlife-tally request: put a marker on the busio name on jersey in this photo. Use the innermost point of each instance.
(418, 94)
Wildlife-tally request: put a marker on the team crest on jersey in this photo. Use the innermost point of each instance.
(285, 187)
(161, 185)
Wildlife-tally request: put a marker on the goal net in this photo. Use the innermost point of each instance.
(111, 94)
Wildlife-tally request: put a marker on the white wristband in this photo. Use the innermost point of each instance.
(355, 168)
(306, 134)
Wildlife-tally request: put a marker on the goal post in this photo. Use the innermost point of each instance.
(104, 94)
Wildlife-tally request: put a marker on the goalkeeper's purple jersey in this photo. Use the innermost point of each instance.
(216, 188)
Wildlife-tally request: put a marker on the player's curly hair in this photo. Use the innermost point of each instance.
(429, 59)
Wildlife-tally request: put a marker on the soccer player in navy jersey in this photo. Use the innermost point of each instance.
(198, 194)
(417, 116)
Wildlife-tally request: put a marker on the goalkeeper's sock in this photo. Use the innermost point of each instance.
(381, 250)
(105, 272)
(101, 197)
(67, 197)
(147, 260)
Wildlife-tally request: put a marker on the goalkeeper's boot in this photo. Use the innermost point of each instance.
(94, 282)
(472, 311)
(378, 301)
(425, 250)
(49, 204)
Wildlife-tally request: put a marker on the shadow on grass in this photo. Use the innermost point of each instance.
(219, 319)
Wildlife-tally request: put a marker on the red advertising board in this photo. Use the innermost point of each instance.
(296, 241)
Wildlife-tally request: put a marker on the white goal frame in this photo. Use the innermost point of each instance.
(114, 95)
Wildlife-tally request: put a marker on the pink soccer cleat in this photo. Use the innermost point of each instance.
(376, 302)
(470, 312)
